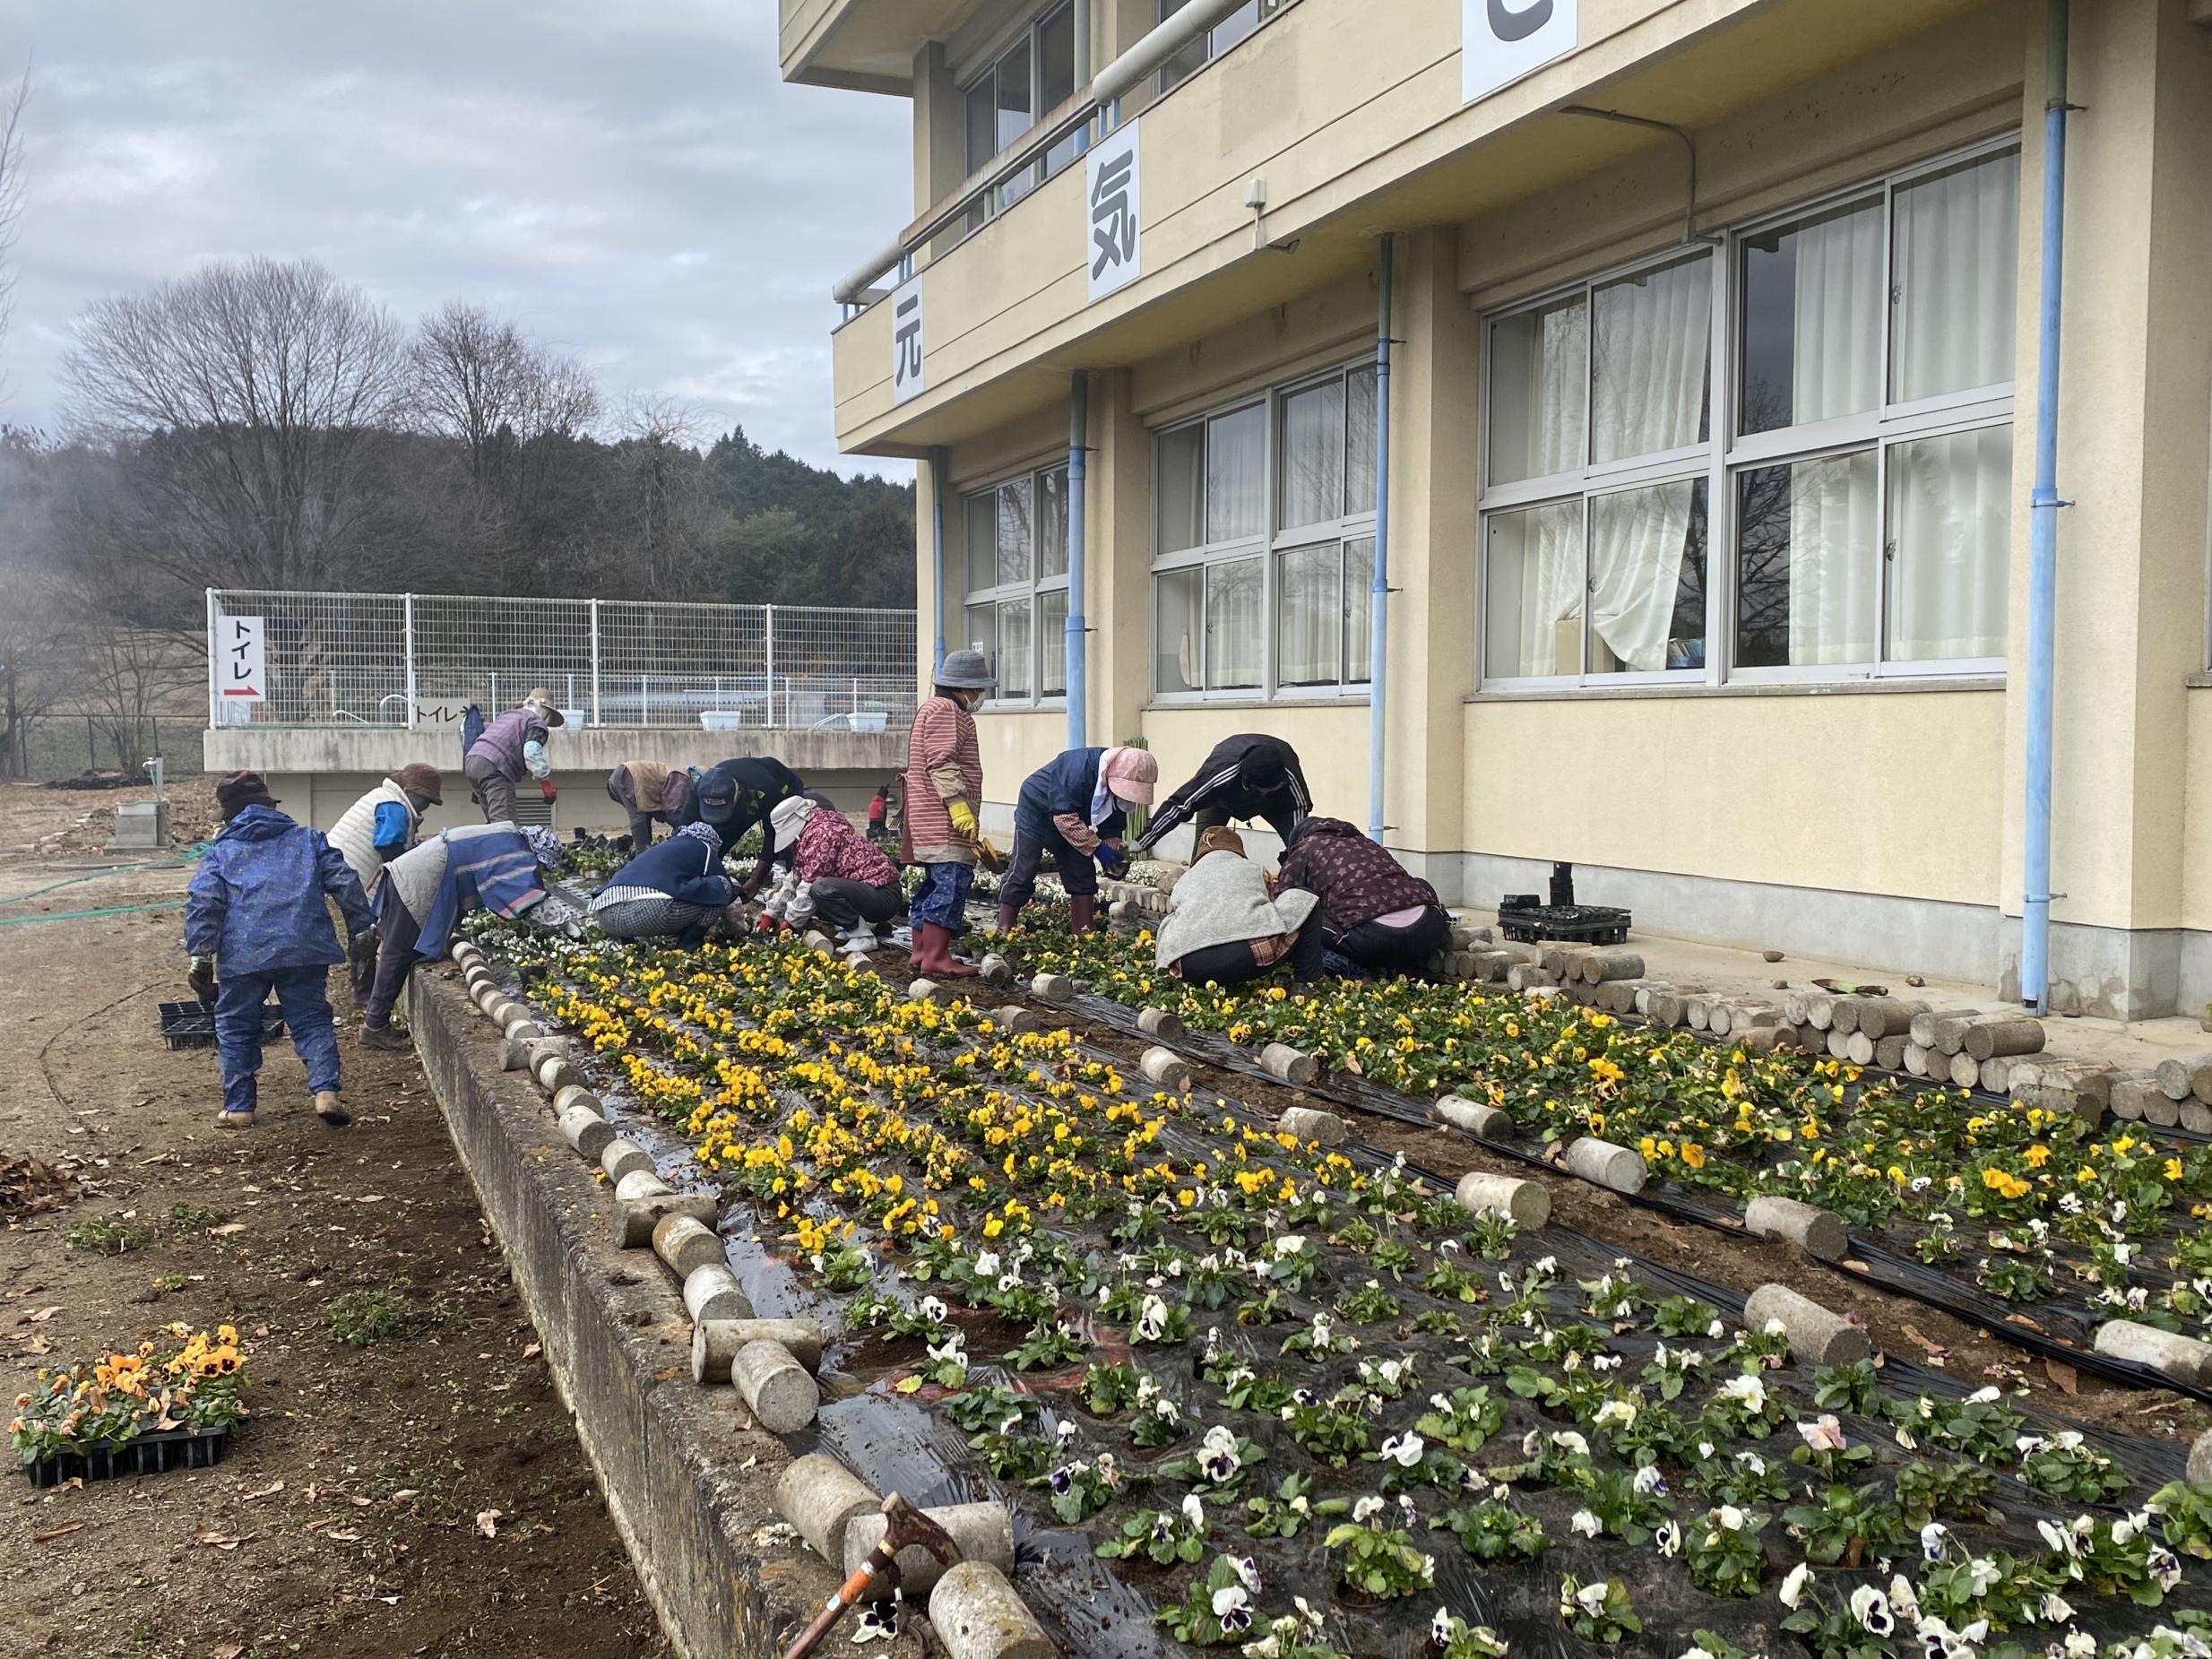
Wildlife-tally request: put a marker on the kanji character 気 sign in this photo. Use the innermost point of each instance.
(1115, 218)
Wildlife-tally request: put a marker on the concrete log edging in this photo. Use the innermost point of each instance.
(715, 1343)
(670, 1463)
(2184, 1359)
(976, 1615)
(1323, 1128)
(822, 1498)
(1485, 1123)
(1819, 1233)
(1287, 1065)
(1618, 1169)
(1817, 1337)
(1165, 1068)
(713, 1293)
(984, 1532)
(1523, 1203)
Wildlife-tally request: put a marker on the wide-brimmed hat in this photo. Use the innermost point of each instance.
(419, 778)
(1130, 773)
(548, 710)
(787, 819)
(965, 671)
(235, 793)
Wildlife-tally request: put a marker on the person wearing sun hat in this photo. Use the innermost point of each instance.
(511, 747)
(943, 784)
(255, 922)
(1074, 810)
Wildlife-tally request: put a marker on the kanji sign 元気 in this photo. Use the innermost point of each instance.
(241, 665)
(908, 378)
(1114, 217)
(1505, 40)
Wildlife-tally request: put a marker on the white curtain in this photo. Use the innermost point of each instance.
(1236, 475)
(1308, 615)
(1539, 370)
(1957, 250)
(1653, 341)
(1313, 455)
(1836, 369)
(1950, 516)
(1236, 624)
(1535, 603)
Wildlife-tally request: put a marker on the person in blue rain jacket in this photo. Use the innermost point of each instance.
(255, 922)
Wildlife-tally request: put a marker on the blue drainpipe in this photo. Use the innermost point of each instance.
(1078, 468)
(1378, 598)
(940, 475)
(2043, 542)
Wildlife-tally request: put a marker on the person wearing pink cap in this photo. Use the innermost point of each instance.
(1075, 809)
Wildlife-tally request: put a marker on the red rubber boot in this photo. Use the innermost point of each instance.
(1082, 913)
(934, 945)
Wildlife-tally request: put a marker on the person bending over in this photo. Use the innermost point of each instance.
(1251, 777)
(1372, 910)
(841, 878)
(1224, 927)
(1073, 810)
(675, 890)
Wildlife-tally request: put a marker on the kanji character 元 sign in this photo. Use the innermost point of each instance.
(1504, 40)
(908, 366)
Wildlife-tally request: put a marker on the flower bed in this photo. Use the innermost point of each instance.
(1300, 1402)
(158, 1406)
(2013, 1204)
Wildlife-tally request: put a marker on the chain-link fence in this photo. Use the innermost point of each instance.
(406, 658)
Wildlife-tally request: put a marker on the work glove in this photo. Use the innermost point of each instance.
(202, 979)
(546, 789)
(361, 949)
(1110, 857)
(964, 817)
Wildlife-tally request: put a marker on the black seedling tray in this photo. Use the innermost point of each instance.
(142, 1453)
(1582, 924)
(188, 1025)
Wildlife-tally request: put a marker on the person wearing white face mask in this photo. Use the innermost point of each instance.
(1075, 809)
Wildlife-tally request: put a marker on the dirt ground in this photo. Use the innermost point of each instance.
(421, 1496)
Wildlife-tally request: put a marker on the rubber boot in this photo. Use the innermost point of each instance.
(1082, 913)
(934, 947)
(1008, 914)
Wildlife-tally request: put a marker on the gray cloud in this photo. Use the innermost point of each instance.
(632, 183)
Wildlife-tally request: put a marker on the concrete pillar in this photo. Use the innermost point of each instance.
(2135, 427)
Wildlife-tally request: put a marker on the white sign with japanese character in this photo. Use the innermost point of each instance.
(242, 665)
(1504, 40)
(909, 367)
(1113, 216)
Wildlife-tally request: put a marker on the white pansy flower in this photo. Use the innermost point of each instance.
(1792, 1589)
(1587, 1524)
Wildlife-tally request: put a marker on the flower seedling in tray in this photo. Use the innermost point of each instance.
(163, 1406)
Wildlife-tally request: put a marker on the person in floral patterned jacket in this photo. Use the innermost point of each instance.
(1372, 910)
(843, 879)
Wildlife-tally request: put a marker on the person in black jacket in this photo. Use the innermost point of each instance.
(1249, 776)
(736, 796)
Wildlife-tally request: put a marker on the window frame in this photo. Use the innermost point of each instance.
(1268, 545)
(1726, 454)
(1264, 12)
(1047, 167)
(1032, 590)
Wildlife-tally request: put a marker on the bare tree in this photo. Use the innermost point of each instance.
(252, 392)
(10, 195)
(512, 408)
(670, 511)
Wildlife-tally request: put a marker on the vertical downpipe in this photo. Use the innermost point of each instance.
(1078, 469)
(214, 652)
(1083, 68)
(940, 471)
(1378, 600)
(2042, 557)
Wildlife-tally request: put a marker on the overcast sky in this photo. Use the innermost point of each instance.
(632, 183)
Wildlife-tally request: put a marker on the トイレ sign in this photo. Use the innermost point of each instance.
(1114, 215)
(242, 664)
(1504, 40)
(909, 377)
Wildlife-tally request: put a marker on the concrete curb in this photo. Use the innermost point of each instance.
(669, 1458)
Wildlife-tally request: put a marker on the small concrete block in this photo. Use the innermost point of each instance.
(576, 1094)
(1525, 1204)
(821, 943)
(821, 1498)
(984, 1532)
(463, 950)
(635, 1218)
(519, 1024)
(2195, 1117)
(1125, 909)
(2199, 1471)
(976, 1615)
(1016, 1020)
(641, 1184)
(1821, 1233)
(2183, 1359)
(686, 1246)
(1053, 988)
(1618, 1168)
(775, 1387)
(1308, 1125)
(1166, 1068)
(715, 1343)
(517, 1054)
(713, 1293)
(1159, 1022)
(586, 1131)
(926, 990)
(2131, 1091)
(1817, 1337)
(556, 1072)
(1485, 1123)
(1289, 1065)
(995, 971)
(620, 1158)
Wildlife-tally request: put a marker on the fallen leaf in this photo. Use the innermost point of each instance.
(42, 1316)
(908, 1384)
(228, 1650)
(266, 1492)
(2064, 1374)
(35, 1344)
(226, 1229)
(1922, 1339)
(359, 1502)
(221, 1541)
(62, 1531)
(487, 1522)
(343, 1537)
(404, 1493)
(533, 1351)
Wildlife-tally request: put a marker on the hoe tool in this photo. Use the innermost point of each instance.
(904, 1527)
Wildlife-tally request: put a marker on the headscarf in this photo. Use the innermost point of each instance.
(787, 819)
(1220, 838)
(705, 831)
(544, 844)
(1130, 773)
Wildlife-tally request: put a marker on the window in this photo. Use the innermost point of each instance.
(1017, 584)
(1263, 543)
(1214, 41)
(1035, 75)
(1856, 479)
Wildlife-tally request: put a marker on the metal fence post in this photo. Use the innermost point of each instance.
(412, 717)
(770, 612)
(213, 700)
(595, 718)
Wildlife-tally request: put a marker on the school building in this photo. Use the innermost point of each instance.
(1675, 362)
